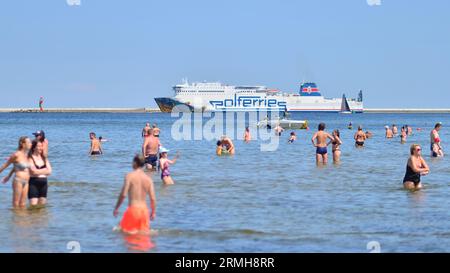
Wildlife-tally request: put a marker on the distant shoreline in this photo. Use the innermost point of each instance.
(156, 110)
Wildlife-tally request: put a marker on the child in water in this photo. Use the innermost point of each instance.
(164, 163)
(292, 138)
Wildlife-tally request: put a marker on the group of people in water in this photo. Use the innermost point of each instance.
(31, 167)
(416, 165)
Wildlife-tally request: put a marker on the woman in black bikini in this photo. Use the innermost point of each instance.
(39, 171)
(415, 168)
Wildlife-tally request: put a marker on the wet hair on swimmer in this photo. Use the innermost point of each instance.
(219, 143)
(413, 148)
(321, 126)
(139, 160)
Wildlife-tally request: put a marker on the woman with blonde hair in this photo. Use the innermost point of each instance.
(22, 172)
(415, 168)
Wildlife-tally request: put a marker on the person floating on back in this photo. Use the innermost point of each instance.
(96, 146)
(137, 186)
(415, 168)
(319, 140)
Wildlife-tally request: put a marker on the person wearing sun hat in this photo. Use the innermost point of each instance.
(40, 136)
(389, 133)
(164, 163)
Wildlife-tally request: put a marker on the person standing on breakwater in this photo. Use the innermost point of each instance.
(360, 137)
(319, 140)
(40, 136)
(435, 140)
(22, 173)
(96, 146)
(389, 133)
(146, 131)
(336, 146)
(137, 186)
(155, 130)
(150, 151)
(415, 168)
(164, 163)
(247, 135)
(41, 104)
(40, 169)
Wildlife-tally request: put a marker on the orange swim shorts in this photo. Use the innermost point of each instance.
(136, 219)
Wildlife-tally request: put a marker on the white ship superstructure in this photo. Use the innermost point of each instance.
(215, 96)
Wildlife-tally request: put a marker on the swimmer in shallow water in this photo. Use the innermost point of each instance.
(292, 137)
(278, 130)
(137, 186)
(336, 146)
(435, 141)
(415, 168)
(21, 170)
(319, 141)
(40, 170)
(247, 135)
(164, 163)
(360, 137)
(227, 144)
(394, 129)
(146, 131)
(389, 133)
(96, 146)
(403, 135)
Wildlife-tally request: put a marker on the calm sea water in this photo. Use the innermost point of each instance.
(253, 202)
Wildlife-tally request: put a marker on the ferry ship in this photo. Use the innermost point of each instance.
(215, 96)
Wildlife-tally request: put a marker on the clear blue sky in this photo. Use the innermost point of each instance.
(121, 53)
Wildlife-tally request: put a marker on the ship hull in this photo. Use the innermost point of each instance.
(166, 105)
